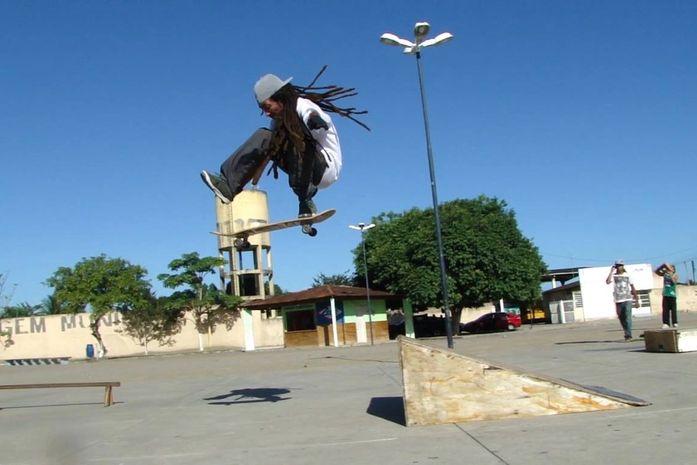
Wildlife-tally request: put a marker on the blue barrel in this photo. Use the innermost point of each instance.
(89, 350)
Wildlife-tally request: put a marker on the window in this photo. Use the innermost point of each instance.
(270, 314)
(300, 320)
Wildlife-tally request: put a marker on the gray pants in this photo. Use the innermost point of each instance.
(304, 171)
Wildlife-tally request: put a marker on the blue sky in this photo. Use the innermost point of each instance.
(581, 115)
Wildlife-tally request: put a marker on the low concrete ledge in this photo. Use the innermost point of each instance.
(671, 340)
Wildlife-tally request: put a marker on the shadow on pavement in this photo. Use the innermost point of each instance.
(388, 408)
(250, 395)
(70, 404)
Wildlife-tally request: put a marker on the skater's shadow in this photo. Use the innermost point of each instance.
(249, 395)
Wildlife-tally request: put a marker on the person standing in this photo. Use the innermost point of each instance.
(670, 304)
(624, 294)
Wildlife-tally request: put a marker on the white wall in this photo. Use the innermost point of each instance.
(68, 335)
(597, 295)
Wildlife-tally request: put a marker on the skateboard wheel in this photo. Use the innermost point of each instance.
(312, 232)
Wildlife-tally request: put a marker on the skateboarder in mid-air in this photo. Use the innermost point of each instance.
(302, 141)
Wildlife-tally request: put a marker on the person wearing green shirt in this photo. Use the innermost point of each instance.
(670, 304)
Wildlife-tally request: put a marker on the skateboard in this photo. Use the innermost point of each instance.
(306, 224)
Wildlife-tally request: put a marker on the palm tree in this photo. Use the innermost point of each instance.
(51, 305)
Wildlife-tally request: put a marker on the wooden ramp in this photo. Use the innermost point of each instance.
(441, 386)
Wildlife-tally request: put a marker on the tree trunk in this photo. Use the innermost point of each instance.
(456, 314)
(94, 327)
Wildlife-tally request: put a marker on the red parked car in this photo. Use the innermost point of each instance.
(496, 321)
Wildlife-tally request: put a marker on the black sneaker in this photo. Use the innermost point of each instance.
(218, 185)
(307, 208)
(628, 339)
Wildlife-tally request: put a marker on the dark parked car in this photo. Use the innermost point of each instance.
(429, 326)
(497, 321)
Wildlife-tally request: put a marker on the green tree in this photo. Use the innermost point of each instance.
(5, 336)
(152, 319)
(341, 279)
(487, 257)
(278, 290)
(51, 305)
(5, 295)
(102, 285)
(22, 310)
(208, 305)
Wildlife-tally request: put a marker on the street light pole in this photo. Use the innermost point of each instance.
(362, 227)
(420, 31)
(434, 194)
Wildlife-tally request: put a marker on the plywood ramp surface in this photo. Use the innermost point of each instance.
(441, 386)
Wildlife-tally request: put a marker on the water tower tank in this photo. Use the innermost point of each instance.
(249, 273)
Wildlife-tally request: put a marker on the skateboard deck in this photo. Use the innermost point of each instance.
(305, 222)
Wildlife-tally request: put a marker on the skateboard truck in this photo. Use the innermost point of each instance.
(309, 229)
(241, 243)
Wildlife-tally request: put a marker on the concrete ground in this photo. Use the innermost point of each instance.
(344, 406)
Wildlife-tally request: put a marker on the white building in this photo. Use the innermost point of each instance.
(589, 297)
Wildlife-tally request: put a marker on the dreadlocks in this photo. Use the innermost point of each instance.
(325, 96)
(289, 132)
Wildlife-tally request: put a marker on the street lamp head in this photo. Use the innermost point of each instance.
(362, 226)
(391, 39)
(421, 29)
(437, 40)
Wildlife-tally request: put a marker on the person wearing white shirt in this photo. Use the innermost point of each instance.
(624, 295)
(302, 141)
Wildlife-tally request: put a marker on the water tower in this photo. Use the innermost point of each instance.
(249, 272)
